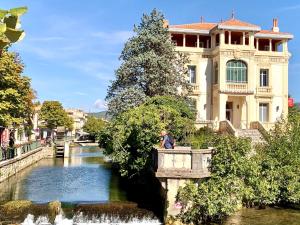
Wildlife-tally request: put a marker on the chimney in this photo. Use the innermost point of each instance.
(275, 25)
(166, 24)
(201, 19)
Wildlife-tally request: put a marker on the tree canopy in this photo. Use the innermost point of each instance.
(54, 115)
(16, 94)
(243, 176)
(130, 137)
(150, 66)
(94, 126)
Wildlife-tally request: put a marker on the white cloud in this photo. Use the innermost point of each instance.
(116, 37)
(289, 8)
(100, 104)
(80, 93)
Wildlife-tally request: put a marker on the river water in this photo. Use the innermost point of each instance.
(85, 181)
(86, 178)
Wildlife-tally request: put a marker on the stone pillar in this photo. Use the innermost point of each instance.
(257, 44)
(222, 38)
(244, 38)
(67, 149)
(229, 37)
(198, 41)
(222, 107)
(183, 40)
(285, 46)
(270, 45)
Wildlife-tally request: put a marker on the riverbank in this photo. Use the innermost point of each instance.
(10, 167)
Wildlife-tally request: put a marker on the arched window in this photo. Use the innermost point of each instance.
(236, 71)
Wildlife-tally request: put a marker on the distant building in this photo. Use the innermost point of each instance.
(238, 71)
(79, 117)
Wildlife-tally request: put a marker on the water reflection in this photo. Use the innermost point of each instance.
(84, 177)
(269, 216)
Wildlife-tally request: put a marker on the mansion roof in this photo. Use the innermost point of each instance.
(231, 24)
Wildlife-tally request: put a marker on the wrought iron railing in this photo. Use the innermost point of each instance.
(12, 152)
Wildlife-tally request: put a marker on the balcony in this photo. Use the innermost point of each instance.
(264, 91)
(195, 89)
(236, 88)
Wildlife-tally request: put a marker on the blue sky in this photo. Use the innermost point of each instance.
(71, 47)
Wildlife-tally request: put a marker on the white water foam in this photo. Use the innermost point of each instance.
(81, 220)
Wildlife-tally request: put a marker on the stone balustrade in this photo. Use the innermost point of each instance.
(183, 162)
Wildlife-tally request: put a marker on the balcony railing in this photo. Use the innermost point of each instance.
(264, 90)
(236, 88)
(195, 89)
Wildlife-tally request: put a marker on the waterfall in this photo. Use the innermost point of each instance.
(80, 219)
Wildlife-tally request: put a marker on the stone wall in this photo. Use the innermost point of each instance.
(174, 167)
(10, 167)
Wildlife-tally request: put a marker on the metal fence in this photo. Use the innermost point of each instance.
(10, 153)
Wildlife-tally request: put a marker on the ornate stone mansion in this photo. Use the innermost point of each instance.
(239, 72)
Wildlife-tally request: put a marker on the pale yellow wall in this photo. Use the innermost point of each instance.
(277, 98)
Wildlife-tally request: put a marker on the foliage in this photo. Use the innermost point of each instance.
(201, 139)
(16, 94)
(266, 175)
(222, 194)
(130, 137)
(9, 26)
(94, 126)
(150, 66)
(126, 99)
(54, 115)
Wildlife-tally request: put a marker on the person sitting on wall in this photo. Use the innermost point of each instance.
(167, 141)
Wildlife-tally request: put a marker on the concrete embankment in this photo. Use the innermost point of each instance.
(10, 167)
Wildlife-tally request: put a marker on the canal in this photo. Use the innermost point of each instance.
(84, 177)
(87, 179)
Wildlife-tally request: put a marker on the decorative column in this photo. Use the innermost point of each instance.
(183, 40)
(198, 41)
(270, 45)
(244, 41)
(285, 46)
(257, 44)
(229, 37)
(222, 38)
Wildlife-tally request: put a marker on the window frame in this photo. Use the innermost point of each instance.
(236, 71)
(264, 115)
(264, 78)
(194, 80)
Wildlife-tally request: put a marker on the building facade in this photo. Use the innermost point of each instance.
(79, 117)
(238, 71)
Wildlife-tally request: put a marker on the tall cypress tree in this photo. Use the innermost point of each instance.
(150, 66)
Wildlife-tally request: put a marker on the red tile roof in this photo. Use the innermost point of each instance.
(198, 26)
(271, 32)
(234, 23)
(237, 23)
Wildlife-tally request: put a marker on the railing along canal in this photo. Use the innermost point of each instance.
(18, 149)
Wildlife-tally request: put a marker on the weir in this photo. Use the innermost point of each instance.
(174, 167)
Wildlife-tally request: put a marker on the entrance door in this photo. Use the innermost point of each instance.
(229, 111)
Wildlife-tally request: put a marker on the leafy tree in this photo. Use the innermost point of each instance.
(130, 137)
(94, 126)
(16, 94)
(266, 175)
(223, 193)
(150, 66)
(54, 115)
(9, 26)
